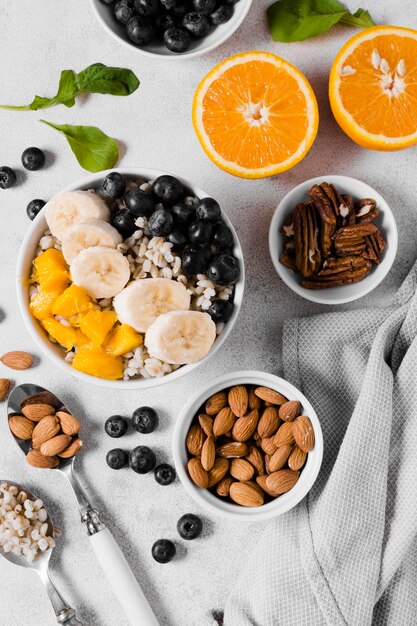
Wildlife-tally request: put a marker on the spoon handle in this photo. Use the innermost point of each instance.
(64, 613)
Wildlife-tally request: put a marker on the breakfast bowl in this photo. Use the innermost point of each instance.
(105, 341)
(216, 36)
(230, 492)
(346, 239)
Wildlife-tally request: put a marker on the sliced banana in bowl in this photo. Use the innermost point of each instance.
(88, 234)
(68, 208)
(102, 272)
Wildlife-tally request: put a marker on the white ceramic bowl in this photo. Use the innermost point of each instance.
(347, 293)
(54, 352)
(214, 503)
(215, 38)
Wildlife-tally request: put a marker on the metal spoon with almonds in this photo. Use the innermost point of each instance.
(107, 551)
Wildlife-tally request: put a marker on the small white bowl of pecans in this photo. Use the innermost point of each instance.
(248, 446)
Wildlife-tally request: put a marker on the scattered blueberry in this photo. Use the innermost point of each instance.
(114, 185)
(7, 177)
(139, 202)
(204, 6)
(145, 420)
(220, 310)
(163, 22)
(33, 159)
(197, 24)
(164, 474)
(177, 237)
(146, 7)
(160, 223)
(116, 459)
(208, 209)
(168, 189)
(124, 222)
(177, 39)
(34, 207)
(163, 550)
(224, 270)
(183, 213)
(193, 260)
(116, 426)
(189, 526)
(200, 231)
(223, 236)
(221, 15)
(142, 459)
(140, 30)
(123, 11)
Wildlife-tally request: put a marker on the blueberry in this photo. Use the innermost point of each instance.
(123, 11)
(221, 15)
(164, 474)
(183, 213)
(114, 185)
(163, 550)
(220, 310)
(208, 209)
(177, 237)
(34, 207)
(197, 24)
(124, 222)
(145, 420)
(200, 231)
(180, 8)
(189, 526)
(177, 39)
(116, 426)
(193, 260)
(224, 270)
(149, 8)
(7, 177)
(139, 202)
(223, 236)
(142, 459)
(167, 188)
(204, 6)
(33, 159)
(140, 30)
(160, 223)
(116, 459)
(163, 22)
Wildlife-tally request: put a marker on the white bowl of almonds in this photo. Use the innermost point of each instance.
(248, 446)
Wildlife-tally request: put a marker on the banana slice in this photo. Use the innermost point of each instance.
(180, 337)
(144, 300)
(70, 207)
(88, 234)
(101, 271)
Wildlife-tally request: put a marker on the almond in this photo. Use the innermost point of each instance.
(55, 445)
(208, 454)
(233, 450)
(216, 403)
(206, 423)
(245, 494)
(73, 449)
(17, 360)
(35, 458)
(42, 397)
(267, 459)
(218, 471)
(223, 486)
(47, 428)
(4, 388)
(261, 481)
(282, 481)
(241, 470)
(303, 433)
(253, 400)
(238, 400)
(244, 427)
(290, 410)
(195, 439)
(21, 427)
(223, 422)
(269, 395)
(284, 435)
(297, 458)
(279, 458)
(69, 424)
(269, 422)
(197, 473)
(256, 458)
(36, 412)
(268, 445)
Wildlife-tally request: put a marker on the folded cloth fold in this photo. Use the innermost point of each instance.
(347, 554)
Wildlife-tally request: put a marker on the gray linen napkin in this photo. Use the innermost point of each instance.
(347, 554)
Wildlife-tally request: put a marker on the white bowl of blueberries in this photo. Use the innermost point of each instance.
(171, 28)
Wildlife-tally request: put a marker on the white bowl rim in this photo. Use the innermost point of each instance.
(42, 340)
(234, 511)
(380, 271)
(184, 55)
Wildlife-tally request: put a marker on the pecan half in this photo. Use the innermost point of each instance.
(375, 244)
(287, 228)
(287, 257)
(322, 203)
(350, 240)
(306, 230)
(338, 272)
(366, 211)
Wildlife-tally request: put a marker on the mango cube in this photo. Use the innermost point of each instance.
(65, 335)
(96, 325)
(52, 272)
(72, 301)
(122, 339)
(96, 362)
(41, 305)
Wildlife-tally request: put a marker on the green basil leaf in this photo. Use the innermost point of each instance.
(361, 19)
(94, 150)
(65, 95)
(116, 81)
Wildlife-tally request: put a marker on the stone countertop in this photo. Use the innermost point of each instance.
(154, 127)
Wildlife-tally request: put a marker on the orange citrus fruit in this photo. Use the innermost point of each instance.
(373, 88)
(255, 115)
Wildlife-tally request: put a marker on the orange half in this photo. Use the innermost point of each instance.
(255, 115)
(373, 88)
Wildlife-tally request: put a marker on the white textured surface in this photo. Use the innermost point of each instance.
(38, 41)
